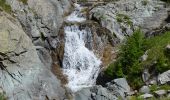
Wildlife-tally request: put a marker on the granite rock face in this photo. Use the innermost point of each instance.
(123, 16)
(23, 75)
(41, 21)
(41, 17)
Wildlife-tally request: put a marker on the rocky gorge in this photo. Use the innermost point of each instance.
(68, 49)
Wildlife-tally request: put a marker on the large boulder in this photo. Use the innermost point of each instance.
(144, 89)
(120, 87)
(123, 16)
(95, 93)
(164, 77)
(22, 75)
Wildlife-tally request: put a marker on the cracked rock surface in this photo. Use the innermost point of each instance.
(123, 16)
(23, 76)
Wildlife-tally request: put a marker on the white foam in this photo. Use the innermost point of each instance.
(76, 16)
(79, 64)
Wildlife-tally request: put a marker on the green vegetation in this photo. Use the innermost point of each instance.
(101, 16)
(166, 1)
(24, 1)
(158, 56)
(122, 18)
(130, 66)
(42, 36)
(2, 97)
(161, 87)
(82, 0)
(128, 63)
(145, 2)
(138, 98)
(5, 6)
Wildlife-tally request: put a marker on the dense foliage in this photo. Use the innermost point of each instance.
(5, 6)
(129, 64)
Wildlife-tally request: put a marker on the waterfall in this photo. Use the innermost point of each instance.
(79, 63)
(76, 16)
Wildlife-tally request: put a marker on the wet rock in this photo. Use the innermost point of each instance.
(144, 89)
(100, 40)
(160, 93)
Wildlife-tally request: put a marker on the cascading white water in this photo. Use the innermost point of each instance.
(79, 64)
(76, 16)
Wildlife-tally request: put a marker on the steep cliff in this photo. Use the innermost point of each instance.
(27, 37)
(23, 75)
(41, 20)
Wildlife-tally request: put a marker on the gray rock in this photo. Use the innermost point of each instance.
(1, 91)
(146, 76)
(153, 81)
(122, 86)
(22, 75)
(95, 93)
(122, 16)
(168, 95)
(146, 96)
(119, 87)
(144, 89)
(168, 47)
(145, 56)
(160, 93)
(164, 77)
(168, 91)
(41, 16)
(84, 94)
(167, 26)
(45, 57)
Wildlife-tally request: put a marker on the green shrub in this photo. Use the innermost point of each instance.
(161, 87)
(157, 52)
(122, 18)
(130, 66)
(5, 6)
